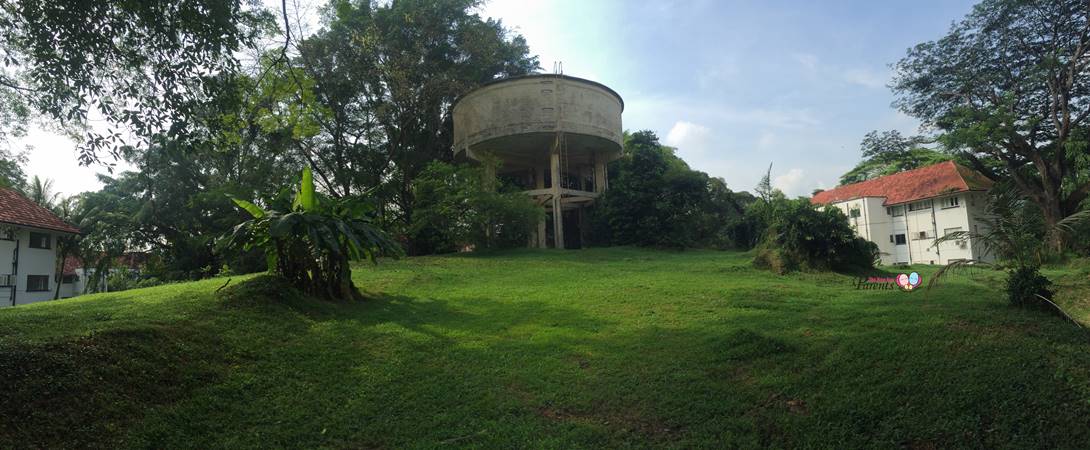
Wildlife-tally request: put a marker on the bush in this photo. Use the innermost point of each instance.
(455, 210)
(313, 244)
(655, 199)
(1025, 284)
(802, 236)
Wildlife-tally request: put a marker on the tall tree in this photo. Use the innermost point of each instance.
(387, 75)
(889, 152)
(40, 191)
(11, 168)
(1010, 82)
(143, 66)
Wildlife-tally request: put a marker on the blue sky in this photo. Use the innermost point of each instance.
(734, 85)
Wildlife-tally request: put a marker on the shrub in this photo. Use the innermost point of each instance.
(801, 236)
(1025, 284)
(313, 243)
(456, 209)
(655, 199)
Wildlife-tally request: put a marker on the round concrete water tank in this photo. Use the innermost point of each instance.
(517, 120)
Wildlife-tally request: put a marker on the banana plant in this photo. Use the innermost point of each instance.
(313, 243)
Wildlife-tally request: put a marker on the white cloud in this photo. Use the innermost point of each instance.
(791, 183)
(766, 141)
(689, 137)
(725, 71)
(807, 60)
(866, 77)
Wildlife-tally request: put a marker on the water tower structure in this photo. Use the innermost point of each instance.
(553, 135)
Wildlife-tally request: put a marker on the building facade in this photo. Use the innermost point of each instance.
(905, 213)
(28, 251)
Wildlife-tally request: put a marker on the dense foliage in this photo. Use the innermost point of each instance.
(889, 152)
(142, 66)
(365, 101)
(312, 244)
(655, 199)
(458, 208)
(1011, 83)
(386, 75)
(1028, 288)
(798, 235)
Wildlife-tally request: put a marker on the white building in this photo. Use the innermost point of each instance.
(28, 250)
(906, 212)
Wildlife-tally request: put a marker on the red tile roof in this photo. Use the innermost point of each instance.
(910, 185)
(15, 209)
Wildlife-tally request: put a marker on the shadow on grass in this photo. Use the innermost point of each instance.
(266, 367)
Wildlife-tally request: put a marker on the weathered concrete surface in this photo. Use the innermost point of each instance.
(517, 121)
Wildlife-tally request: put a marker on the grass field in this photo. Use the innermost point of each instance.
(592, 348)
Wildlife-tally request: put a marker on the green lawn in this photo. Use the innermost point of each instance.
(591, 348)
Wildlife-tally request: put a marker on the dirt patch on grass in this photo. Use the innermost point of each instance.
(626, 421)
(82, 392)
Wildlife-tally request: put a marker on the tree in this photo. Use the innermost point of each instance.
(313, 243)
(144, 66)
(40, 191)
(1014, 229)
(456, 209)
(888, 152)
(11, 168)
(1010, 82)
(655, 199)
(387, 75)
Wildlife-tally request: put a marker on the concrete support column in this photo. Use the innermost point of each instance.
(489, 176)
(558, 211)
(539, 183)
(600, 174)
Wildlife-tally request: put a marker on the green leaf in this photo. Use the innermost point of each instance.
(251, 208)
(307, 198)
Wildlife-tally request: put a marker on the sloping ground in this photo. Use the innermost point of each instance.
(592, 348)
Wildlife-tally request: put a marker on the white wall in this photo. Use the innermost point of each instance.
(877, 224)
(32, 261)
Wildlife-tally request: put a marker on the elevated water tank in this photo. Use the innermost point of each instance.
(552, 134)
(517, 120)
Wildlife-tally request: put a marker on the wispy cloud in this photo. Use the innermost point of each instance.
(791, 183)
(808, 61)
(866, 77)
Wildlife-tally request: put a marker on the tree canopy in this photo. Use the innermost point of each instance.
(1010, 82)
(888, 152)
(143, 67)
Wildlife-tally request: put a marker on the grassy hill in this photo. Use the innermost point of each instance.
(611, 347)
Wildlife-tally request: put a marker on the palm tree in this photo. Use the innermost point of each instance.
(1014, 230)
(41, 192)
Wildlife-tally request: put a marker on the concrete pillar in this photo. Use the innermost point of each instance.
(600, 174)
(558, 211)
(489, 176)
(539, 183)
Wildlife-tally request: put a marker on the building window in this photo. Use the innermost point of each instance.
(921, 235)
(7, 235)
(896, 211)
(40, 240)
(899, 239)
(891, 239)
(950, 202)
(69, 279)
(946, 232)
(37, 283)
(919, 206)
(854, 213)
